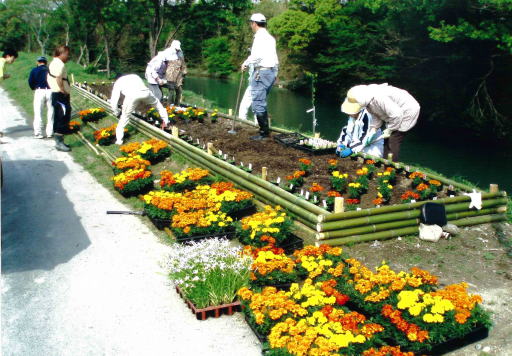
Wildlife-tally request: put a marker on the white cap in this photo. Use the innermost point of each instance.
(258, 18)
(176, 44)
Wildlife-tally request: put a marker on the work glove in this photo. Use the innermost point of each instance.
(340, 148)
(161, 81)
(386, 133)
(345, 153)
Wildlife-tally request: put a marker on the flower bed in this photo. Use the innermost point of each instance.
(153, 150)
(209, 272)
(106, 135)
(271, 221)
(185, 180)
(203, 211)
(133, 182)
(92, 115)
(406, 309)
(271, 267)
(124, 163)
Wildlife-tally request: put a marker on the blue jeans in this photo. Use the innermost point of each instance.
(261, 83)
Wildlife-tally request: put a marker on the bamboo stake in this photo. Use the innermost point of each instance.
(264, 173)
(339, 205)
(210, 148)
(493, 188)
(175, 131)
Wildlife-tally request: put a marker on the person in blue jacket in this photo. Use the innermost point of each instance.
(42, 97)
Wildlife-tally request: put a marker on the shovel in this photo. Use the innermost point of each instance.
(126, 212)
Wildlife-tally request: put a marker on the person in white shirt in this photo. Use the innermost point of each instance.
(356, 136)
(135, 92)
(264, 58)
(387, 104)
(156, 68)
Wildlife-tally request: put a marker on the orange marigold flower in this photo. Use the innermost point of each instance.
(315, 188)
(422, 186)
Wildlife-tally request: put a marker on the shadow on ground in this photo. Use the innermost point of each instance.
(40, 228)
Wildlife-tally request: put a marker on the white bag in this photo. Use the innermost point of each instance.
(430, 232)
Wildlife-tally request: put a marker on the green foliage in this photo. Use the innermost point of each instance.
(217, 56)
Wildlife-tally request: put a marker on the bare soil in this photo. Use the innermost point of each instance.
(280, 160)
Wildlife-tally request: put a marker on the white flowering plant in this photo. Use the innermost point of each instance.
(209, 272)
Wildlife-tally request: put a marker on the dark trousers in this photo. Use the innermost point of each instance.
(62, 112)
(392, 145)
(174, 94)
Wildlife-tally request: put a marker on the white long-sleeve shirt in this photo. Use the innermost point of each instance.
(394, 106)
(131, 86)
(156, 68)
(263, 51)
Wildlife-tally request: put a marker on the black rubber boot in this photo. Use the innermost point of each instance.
(264, 130)
(60, 145)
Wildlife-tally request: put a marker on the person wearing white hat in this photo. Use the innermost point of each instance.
(175, 72)
(264, 59)
(156, 68)
(387, 104)
(135, 92)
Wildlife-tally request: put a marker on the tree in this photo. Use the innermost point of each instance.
(217, 56)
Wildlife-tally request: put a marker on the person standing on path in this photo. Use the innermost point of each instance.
(42, 96)
(59, 84)
(135, 92)
(264, 58)
(387, 104)
(175, 72)
(8, 57)
(156, 69)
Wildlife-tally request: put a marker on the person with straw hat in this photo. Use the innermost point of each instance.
(387, 104)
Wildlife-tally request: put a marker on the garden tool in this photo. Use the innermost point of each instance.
(126, 212)
(232, 131)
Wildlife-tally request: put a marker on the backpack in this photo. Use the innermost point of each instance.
(433, 214)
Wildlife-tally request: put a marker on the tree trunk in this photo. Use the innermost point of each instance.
(67, 35)
(107, 52)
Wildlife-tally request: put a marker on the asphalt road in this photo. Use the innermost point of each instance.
(76, 281)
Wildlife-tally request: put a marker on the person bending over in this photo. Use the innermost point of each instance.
(135, 92)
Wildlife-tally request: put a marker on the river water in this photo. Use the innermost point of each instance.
(457, 157)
